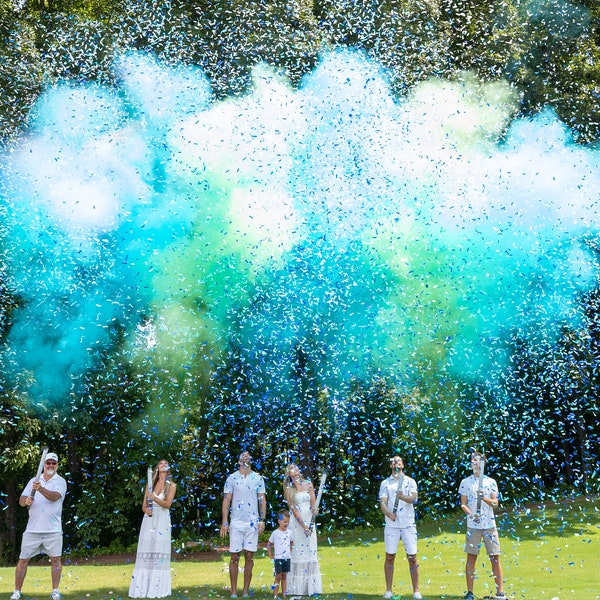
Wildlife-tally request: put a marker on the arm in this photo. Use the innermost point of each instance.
(298, 516)
(409, 499)
(464, 505)
(270, 549)
(262, 507)
(37, 487)
(225, 514)
(491, 501)
(383, 506)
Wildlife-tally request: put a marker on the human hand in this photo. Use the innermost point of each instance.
(224, 529)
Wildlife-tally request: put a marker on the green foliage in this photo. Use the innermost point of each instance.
(118, 422)
(548, 50)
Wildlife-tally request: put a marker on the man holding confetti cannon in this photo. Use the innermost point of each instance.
(478, 498)
(397, 496)
(43, 496)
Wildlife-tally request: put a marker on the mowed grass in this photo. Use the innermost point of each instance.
(547, 554)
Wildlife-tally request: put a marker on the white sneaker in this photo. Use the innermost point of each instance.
(55, 595)
(417, 596)
(388, 594)
(16, 595)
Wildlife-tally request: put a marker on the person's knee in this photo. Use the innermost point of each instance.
(234, 558)
(412, 558)
(389, 559)
(249, 557)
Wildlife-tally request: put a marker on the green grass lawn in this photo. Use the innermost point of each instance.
(551, 553)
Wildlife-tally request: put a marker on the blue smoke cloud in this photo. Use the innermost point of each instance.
(331, 222)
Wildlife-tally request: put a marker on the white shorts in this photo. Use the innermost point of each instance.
(243, 536)
(408, 535)
(36, 543)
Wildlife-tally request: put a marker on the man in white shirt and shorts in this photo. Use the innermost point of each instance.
(244, 495)
(478, 498)
(397, 496)
(43, 533)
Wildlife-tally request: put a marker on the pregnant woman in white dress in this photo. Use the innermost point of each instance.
(304, 578)
(152, 573)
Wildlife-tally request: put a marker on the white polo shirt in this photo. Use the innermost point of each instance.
(44, 515)
(244, 490)
(468, 487)
(405, 515)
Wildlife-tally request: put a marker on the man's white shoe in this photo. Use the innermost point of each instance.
(16, 595)
(388, 594)
(417, 596)
(55, 595)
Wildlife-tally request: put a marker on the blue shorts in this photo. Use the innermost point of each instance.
(283, 565)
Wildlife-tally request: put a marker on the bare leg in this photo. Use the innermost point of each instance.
(497, 571)
(56, 565)
(413, 566)
(234, 563)
(276, 584)
(284, 584)
(388, 568)
(470, 570)
(20, 573)
(248, 564)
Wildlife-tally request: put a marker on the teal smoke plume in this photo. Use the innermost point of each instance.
(404, 237)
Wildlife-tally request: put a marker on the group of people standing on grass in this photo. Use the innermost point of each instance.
(292, 546)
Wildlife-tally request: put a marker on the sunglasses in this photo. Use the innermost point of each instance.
(51, 462)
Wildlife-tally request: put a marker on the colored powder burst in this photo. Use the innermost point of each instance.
(328, 221)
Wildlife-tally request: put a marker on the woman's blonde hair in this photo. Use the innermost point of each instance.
(289, 490)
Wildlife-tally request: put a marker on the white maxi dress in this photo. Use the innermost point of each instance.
(152, 572)
(304, 579)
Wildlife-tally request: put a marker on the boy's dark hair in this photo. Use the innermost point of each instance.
(282, 514)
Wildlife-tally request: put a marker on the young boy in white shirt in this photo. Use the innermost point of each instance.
(279, 548)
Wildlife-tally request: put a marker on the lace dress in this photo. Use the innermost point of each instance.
(304, 579)
(152, 572)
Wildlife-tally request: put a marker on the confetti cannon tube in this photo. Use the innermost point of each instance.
(479, 489)
(149, 493)
(398, 492)
(39, 471)
(317, 502)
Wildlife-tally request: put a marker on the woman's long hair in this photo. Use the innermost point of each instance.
(155, 475)
(289, 489)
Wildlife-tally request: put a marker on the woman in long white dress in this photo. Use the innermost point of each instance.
(152, 572)
(304, 579)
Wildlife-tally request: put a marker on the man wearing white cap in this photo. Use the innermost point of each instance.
(44, 499)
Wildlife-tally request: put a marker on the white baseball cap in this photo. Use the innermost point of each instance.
(51, 456)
